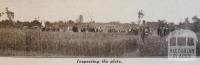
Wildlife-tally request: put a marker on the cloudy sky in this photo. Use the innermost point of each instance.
(102, 10)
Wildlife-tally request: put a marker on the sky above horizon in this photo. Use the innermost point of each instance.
(102, 10)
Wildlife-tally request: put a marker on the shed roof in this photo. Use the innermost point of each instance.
(183, 33)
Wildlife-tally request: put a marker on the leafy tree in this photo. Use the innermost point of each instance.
(187, 20)
(140, 16)
(196, 24)
(80, 19)
(70, 22)
(36, 23)
(47, 23)
(6, 23)
(10, 14)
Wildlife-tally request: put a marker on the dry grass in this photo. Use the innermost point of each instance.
(154, 46)
(15, 42)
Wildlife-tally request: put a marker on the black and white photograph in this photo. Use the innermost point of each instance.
(168, 29)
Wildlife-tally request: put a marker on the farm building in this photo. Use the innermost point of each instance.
(89, 27)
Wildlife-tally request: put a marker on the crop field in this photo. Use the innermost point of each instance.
(15, 42)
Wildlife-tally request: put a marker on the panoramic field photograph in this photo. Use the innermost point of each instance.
(99, 28)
